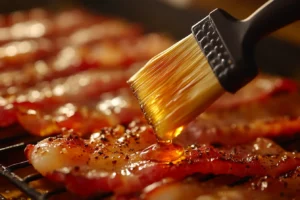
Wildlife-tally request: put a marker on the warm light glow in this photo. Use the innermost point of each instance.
(178, 131)
(163, 152)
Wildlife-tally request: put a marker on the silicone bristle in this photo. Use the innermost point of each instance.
(174, 87)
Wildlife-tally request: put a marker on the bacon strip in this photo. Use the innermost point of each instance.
(287, 125)
(21, 16)
(41, 26)
(85, 85)
(124, 53)
(271, 117)
(111, 28)
(264, 188)
(104, 55)
(107, 110)
(116, 160)
(262, 87)
(15, 54)
(77, 88)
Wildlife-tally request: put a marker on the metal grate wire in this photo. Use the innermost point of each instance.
(23, 183)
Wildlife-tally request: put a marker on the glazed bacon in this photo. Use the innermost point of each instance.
(21, 16)
(272, 117)
(40, 24)
(14, 54)
(81, 87)
(109, 54)
(110, 28)
(121, 161)
(102, 56)
(109, 109)
(78, 87)
(286, 119)
(262, 87)
(252, 112)
(264, 188)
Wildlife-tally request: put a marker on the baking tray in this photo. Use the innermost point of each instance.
(273, 56)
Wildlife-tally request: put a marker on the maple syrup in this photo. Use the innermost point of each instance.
(169, 136)
(163, 152)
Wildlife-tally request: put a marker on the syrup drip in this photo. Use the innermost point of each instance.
(169, 136)
(163, 152)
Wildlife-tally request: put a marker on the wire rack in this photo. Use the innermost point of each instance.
(8, 171)
(12, 159)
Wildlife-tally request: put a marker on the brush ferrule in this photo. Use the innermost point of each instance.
(232, 71)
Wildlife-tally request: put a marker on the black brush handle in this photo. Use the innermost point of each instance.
(229, 43)
(273, 15)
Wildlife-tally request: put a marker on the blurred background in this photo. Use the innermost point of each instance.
(240, 9)
(277, 54)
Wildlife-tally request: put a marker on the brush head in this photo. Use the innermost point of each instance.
(175, 86)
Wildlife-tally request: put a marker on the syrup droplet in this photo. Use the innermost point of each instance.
(163, 152)
(169, 136)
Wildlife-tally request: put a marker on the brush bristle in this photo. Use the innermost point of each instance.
(174, 87)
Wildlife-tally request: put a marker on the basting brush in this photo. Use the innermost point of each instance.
(174, 87)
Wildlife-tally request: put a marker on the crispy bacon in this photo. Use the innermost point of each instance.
(21, 16)
(121, 160)
(82, 87)
(41, 26)
(264, 188)
(271, 117)
(110, 109)
(259, 89)
(115, 54)
(266, 118)
(279, 117)
(125, 52)
(72, 60)
(79, 87)
(111, 28)
(15, 54)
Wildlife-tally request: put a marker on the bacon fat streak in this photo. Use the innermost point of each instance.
(116, 160)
